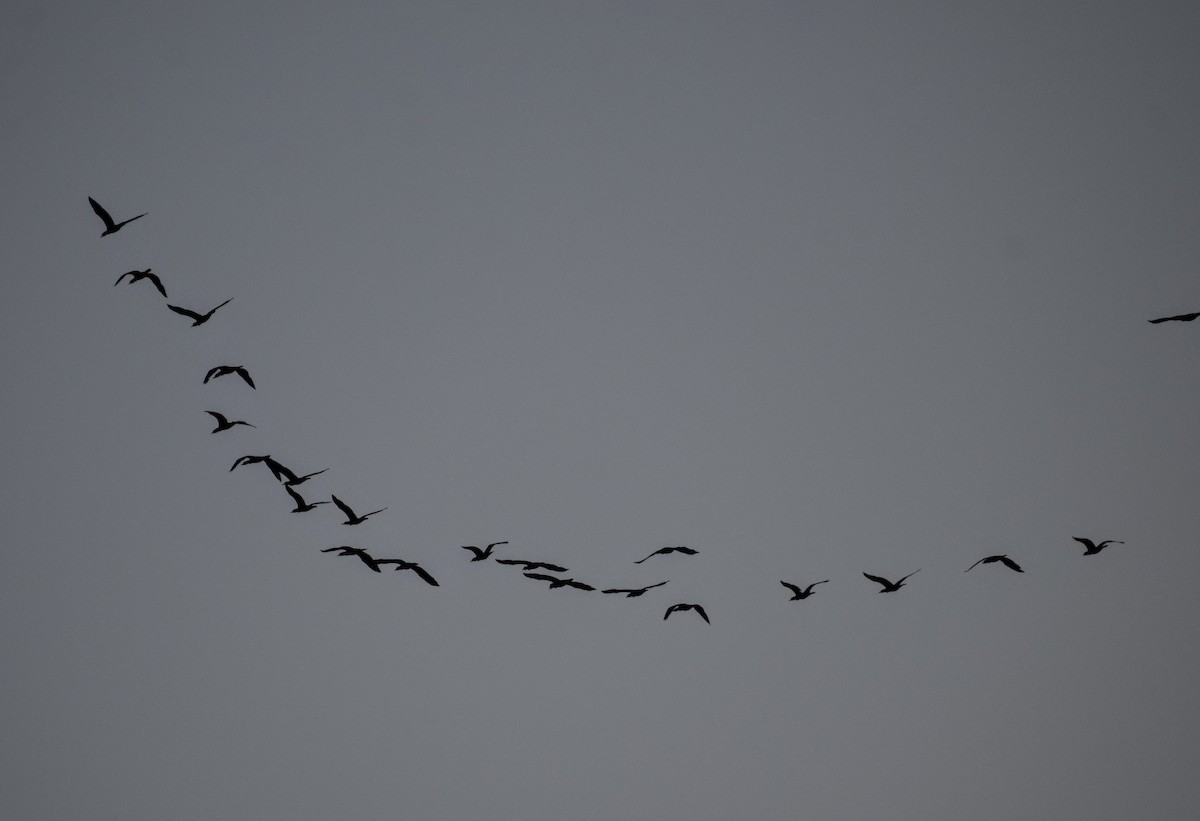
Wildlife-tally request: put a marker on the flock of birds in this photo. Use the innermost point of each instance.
(289, 480)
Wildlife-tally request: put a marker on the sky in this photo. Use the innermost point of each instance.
(814, 288)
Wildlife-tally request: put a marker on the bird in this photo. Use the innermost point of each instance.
(301, 505)
(1007, 562)
(366, 557)
(198, 319)
(110, 227)
(413, 566)
(223, 423)
(248, 460)
(554, 582)
(685, 550)
(353, 518)
(225, 370)
(1092, 547)
(634, 592)
(889, 587)
(553, 568)
(797, 592)
(1180, 318)
(682, 606)
(135, 276)
(480, 555)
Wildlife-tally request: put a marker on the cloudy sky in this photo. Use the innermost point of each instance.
(812, 288)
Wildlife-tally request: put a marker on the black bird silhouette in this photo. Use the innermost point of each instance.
(285, 474)
(366, 557)
(301, 505)
(553, 568)
(799, 593)
(631, 593)
(225, 424)
(685, 550)
(110, 227)
(135, 276)
(353, 518)
(1180, 318)
(1007, 562)
(199, 319)
(681, 606)
(480, 555)
(413, 566)
(558, 582)
(225, 370)
(1092, 547)
(248, 460)
(890, 587)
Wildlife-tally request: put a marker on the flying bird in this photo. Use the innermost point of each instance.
(413, 566)
(1007, 562)
(199, 319)
(353, 518)
(480, 555)
(890, 587)
(135, 276)
(301, 505)
(366, 557)
(553, 568)
(685, 550)
(248, 460)
(1092, 547)
(798, 592)
(681, 606)
(224, 424)
(554, 582)
(1180, 318)
(225, 370)
(631, 593)
(110, 227)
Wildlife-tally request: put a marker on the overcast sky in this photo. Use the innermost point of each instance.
(812, 288)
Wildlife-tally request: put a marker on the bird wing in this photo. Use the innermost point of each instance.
(102, 214)
(528, 565)
(279, 471)
(212, 372)
(221, 420)
(794, 588)
(299, 499)
(122, 276)
(878, 580)
(972, 567)
(222, 305)
(616, 590)
(423, 573)
(580, 585)
(814, 584)
(655, 553)
(649, 586)
(1088, 543)
(901, 580)
(184, 311)
(373, 512)
(541, 577)
(244, 374)
(553, 568)
(687, 551)
(157, 284)
(478, 553)
(345, 508)
(1107, 542)
(700, 610)
(671, 610)
(495, 544)
(1179, 318)
(1011, 564)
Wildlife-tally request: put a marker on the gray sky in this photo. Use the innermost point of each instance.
(813, 288)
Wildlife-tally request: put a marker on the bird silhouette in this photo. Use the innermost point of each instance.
(480, 555)
(553, 568)
(223, 423)
(413, 566)
(110, 227)
(1092, 547)
(198, 319)
(285, 474)
(631, 593)
(301, 505)
(890, 587)
(799, 593)
(1007, 562)
(353, 518)
(225, 370)
(366, 557)
(248, 460)
(682, 606)
(1180, 318)
(554, 582)
(664, 550)
(135, 276)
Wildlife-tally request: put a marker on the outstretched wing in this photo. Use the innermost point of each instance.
(495, 544)
(157, 284)
(184, 312)
(542, 577)
(221, 420)
(244, 374)
(423, 573)
(671, 610)
(1088, 543)
(1009, 563)
(478, 553)
(700, 610)
(655, 553)
(1179, 318)
(345, 508)
(793, 587)
(901, 580)
(102, 214)
(299, 499)
(972, 567)
(878, 580)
